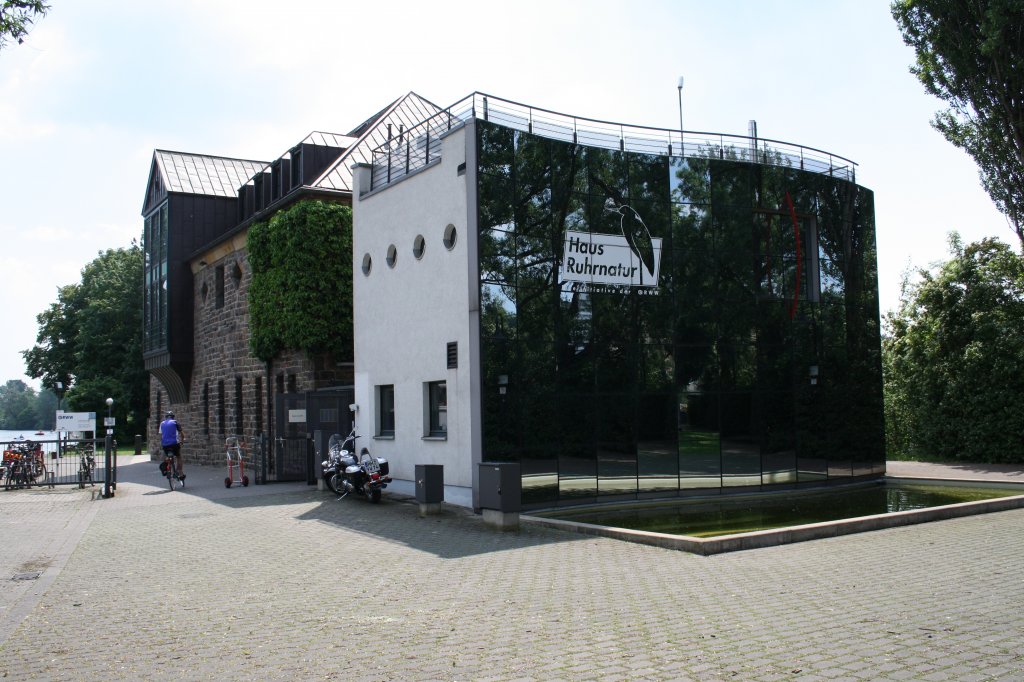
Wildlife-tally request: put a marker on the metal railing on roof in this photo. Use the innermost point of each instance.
(419, 146)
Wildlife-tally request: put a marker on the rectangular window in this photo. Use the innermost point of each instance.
(437, 409)
(259, 404)
(238, 406)
(219, 282)
(221, 417)
(386, 410)
(206, 409)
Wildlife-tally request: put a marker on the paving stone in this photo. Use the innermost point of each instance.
(285, 583)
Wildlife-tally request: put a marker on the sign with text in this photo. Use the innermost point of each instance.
(76, 421)
(296, 416)
(631, 259)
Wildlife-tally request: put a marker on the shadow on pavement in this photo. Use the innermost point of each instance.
(454, 532)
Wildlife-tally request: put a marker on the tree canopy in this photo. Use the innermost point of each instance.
(954, 359)
(971, 55)
(18, 406)
(91, 340)
(16, 16)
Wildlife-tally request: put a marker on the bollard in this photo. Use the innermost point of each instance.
(138, 445)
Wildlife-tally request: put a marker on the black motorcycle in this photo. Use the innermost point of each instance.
(345, 474)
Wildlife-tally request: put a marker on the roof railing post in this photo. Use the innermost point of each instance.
(485, 109)
(407, 141)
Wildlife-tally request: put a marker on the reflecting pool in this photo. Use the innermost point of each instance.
(741, 514)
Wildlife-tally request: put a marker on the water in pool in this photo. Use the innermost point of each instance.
(742, 514)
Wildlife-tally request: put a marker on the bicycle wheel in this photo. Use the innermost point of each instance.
(170, 478)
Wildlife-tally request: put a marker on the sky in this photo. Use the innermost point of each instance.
(97, 86)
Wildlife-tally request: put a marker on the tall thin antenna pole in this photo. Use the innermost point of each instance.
(682, 144)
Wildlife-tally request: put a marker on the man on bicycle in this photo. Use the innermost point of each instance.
(171, 436)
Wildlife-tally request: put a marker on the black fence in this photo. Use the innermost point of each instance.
(82, 462)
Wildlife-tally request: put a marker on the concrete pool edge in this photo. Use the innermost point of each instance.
(813, 531)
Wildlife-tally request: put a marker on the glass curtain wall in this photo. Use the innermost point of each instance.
(743, 352)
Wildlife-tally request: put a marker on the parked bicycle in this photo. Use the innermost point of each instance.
(86, 465)
(23, 463)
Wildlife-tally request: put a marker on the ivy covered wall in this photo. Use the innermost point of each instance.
(301, 292)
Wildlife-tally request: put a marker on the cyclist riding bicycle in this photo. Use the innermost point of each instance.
(171, 436)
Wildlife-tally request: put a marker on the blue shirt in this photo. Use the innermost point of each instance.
(169, 432)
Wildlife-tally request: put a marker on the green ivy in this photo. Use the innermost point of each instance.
(300, 297)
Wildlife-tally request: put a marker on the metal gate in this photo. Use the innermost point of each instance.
(80, 462)
(304, 422)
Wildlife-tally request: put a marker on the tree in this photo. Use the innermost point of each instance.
(971, 54)
(91, 340)
(954, 359)
(16, 16)
(18, 409)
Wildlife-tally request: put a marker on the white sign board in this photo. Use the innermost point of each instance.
(296, 416)
(76, 421)
(609, 260)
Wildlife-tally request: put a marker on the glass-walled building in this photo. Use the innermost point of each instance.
(623, 318)
(655, 325)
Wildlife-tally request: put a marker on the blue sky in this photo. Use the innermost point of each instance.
(98, 85)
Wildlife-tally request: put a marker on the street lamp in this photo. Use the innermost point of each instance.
(682, 144)
(110, 414)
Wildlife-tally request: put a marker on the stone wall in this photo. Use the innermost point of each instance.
(232, 392)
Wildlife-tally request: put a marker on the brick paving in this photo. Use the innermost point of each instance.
(284, 582)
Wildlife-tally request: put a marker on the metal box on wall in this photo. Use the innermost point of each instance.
(429, 483)
(501, 486)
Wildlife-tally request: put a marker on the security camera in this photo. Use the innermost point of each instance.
(353, 408)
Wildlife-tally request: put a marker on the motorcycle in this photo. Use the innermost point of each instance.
(344, 474)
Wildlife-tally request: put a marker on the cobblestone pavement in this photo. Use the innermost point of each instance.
(284, 582)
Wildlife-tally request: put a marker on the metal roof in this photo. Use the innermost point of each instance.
(322, 139)
(207, 175)
(403, 114)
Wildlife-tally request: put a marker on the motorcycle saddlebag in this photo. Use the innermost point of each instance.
(384, 468)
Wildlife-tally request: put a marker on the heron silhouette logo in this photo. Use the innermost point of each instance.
(631, 258)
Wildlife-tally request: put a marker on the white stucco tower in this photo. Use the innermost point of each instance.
(416, 305)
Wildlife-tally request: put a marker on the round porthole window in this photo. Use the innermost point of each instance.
(392, 256)
(418, 245)
(450, 235)
(367, 264)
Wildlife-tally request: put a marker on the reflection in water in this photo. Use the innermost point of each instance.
(726, 516)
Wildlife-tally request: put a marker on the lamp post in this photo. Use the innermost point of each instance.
(108, 477)
(682, 144)
(58, 389)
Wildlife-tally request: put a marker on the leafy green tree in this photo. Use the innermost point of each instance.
(16, 16)
(971, 54)
(954, 359)
(91, 341)
(18, 408)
